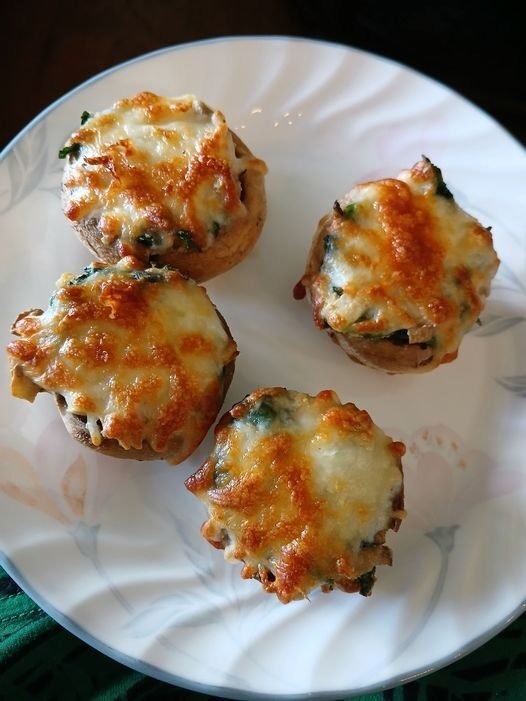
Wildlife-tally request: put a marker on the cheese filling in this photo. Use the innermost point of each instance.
(156, 173)
(402, 256)
(139, 353)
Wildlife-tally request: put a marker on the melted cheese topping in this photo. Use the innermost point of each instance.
(139, 353)
(402, 255)
(301, 489)
(156, 173)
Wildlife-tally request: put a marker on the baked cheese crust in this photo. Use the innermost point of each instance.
(159, 175)
(398, 260)
(140, 354)
(302, 490)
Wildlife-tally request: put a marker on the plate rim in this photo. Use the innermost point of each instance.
(150, 670)
(248, 37)
(147, 668)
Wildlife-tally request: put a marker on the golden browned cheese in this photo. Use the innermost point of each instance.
(139, 353)
(401, 255)
(156, 173)
(302, 490)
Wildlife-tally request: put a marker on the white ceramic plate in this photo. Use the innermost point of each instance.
(112, 549)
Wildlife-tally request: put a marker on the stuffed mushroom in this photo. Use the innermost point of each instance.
(138, 359)
(302, 490)
(398, 272)
(165, 180)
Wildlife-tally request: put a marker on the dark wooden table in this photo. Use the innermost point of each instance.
(50, 47)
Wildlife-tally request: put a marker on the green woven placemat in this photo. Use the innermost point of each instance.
(41, 660)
